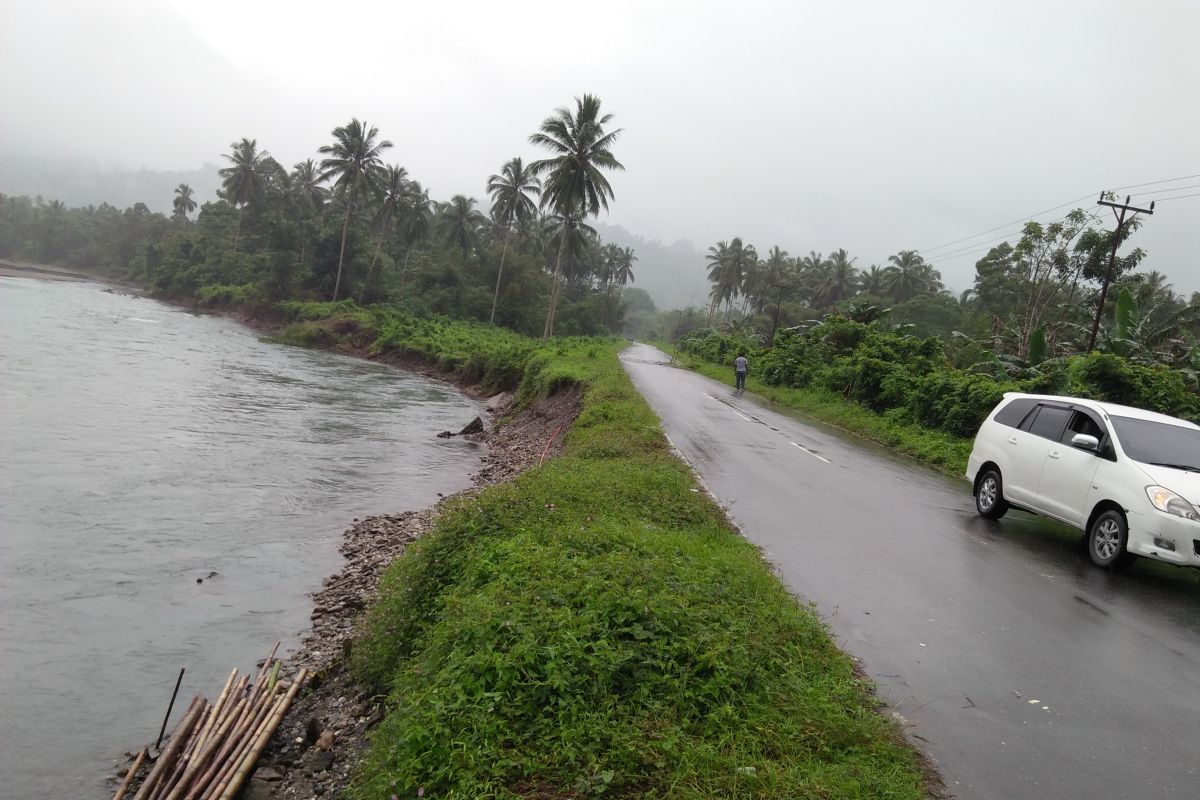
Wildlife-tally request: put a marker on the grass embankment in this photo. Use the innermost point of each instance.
(942, 450)
(595, 627)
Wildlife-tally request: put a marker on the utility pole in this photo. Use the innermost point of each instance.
(1112, 257)
(775, 323)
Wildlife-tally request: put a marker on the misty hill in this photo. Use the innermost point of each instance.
(79, 182)
(674, 275)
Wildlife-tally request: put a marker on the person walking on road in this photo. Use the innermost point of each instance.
(740, 365)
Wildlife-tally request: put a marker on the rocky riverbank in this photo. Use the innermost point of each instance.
(314, 751)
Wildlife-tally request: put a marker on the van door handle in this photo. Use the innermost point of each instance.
(1054, 454)
(1012, 440)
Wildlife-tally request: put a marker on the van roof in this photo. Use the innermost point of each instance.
(1112, 409)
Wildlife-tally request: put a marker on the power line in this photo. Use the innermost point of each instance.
(1008, 224)
(1063, 205)
(978, 247)
(1180, 197)
(1155, 183)
(1172, 189)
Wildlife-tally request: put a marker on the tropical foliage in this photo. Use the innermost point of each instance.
(348, 224)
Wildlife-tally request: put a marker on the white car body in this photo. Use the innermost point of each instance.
(1071, 483)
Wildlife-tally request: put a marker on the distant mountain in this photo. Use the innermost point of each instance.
(77, 182)
(674, 275)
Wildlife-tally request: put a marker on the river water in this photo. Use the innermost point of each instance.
(143, 447)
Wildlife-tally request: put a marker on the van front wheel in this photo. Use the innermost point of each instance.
(1107, 539)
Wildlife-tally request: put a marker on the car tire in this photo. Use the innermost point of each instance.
(1106, 541)
(989, 495)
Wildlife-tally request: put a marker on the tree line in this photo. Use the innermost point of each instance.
(1032, 300)
(348, 224)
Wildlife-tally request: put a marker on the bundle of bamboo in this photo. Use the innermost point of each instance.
(214, 747)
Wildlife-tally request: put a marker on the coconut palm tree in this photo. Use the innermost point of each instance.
(393, 190)
(513, 193)
(873, 281)
(355, 162)
(840, 277)
(905, 276)
(624, 266)
(728, 265)
(183, 202)
(308, 198)
(460, 222)
(575, 185)
(243, 181)
(813, 272)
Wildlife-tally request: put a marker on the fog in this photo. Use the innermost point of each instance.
(874, 126)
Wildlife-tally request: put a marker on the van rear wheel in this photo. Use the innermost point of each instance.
(989, 496)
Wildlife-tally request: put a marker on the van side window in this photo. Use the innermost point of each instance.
(1012, 414)
(1050, 421)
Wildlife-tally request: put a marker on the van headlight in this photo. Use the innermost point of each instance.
(1165, 500)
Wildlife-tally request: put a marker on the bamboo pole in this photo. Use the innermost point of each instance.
(218, 709)
(246, 738)
(220, 748)
(124, 787)
(170, 706)
(273, 721)
(181, 760)
(201, 766)
(164, 759)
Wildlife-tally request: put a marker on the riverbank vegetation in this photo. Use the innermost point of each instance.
(348, 225)
(595, 628)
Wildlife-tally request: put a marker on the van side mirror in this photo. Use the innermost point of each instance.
(1085, 442)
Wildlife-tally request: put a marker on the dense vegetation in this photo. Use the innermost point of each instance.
(347, 225)
(1033, 300)
(595, 628)
(924, 404)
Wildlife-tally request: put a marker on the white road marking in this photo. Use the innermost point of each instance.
(731, 408)
(811, 453)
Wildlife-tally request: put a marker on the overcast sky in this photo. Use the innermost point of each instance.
(874, 126)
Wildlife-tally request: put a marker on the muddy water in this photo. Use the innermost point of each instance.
(143, 448)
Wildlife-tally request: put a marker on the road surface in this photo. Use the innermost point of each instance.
(1022, 670)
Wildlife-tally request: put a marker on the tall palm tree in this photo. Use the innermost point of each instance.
(393, 189)
(355, 162)
(905, 278)
(243, 180)
(728, 265)
(575, 185)
(183, 202)
(610, 256)
(460, 222)
(841, 277)
(513, 193)
(308, 198)
(873, 281)
(625, 262)
(813, 272)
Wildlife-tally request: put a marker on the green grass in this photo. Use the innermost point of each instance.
(941, 450)
(595, 628)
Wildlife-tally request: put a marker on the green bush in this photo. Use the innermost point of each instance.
(912, 380)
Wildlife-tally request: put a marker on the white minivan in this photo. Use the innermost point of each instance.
(1130, 479)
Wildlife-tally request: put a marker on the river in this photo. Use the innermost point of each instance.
(143, 448)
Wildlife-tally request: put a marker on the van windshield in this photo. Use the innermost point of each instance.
(1159, 443)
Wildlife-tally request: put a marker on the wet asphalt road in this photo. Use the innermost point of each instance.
(1022, 670)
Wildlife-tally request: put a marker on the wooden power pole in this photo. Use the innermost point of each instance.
(1112, 257)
